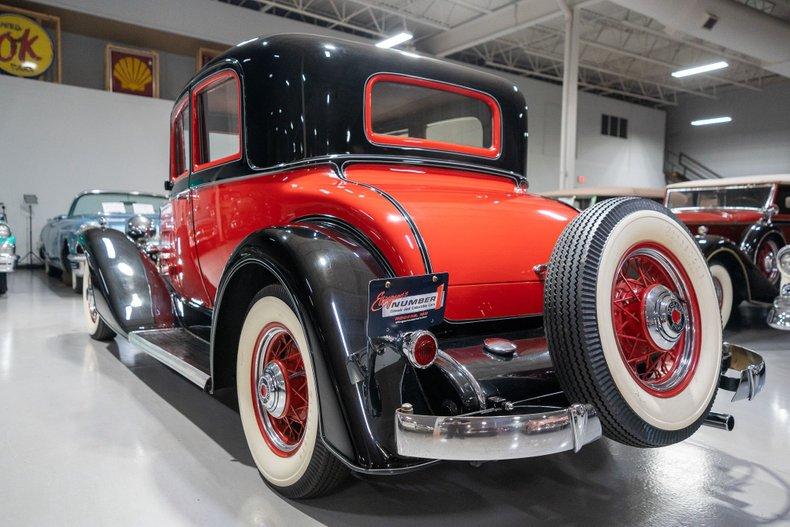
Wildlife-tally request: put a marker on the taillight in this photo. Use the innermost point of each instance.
(420, 347)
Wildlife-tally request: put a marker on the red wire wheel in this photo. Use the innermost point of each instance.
(656, 319)
(766, 260)
(279, 390)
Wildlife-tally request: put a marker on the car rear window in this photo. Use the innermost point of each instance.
(411, 112)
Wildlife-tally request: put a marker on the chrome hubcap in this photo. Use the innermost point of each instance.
(665, 316)
(272, 390)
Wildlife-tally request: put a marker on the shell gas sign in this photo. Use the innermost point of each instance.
(25, 47)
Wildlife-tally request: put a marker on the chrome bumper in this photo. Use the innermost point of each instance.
(750, 368)
(489, 437)
(7, 262)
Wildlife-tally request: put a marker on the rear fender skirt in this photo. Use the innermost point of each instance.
(327, 273)
(130, 294)
(758, 288)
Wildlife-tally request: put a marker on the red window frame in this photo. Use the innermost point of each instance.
(205, 84)
(174, 117)
(415, 142)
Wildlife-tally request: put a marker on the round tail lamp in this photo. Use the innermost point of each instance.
(420, 347)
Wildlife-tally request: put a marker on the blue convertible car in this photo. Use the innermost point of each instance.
(117, 210)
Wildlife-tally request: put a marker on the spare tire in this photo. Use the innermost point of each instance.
(632, 321)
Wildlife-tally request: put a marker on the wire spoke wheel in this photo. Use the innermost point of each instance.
(654, 311)
(280, 390)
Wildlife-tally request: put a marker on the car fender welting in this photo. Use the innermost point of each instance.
(580, 299)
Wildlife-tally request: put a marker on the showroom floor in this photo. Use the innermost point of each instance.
(100, 434)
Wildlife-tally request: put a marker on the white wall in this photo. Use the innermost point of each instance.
(58, 140)
(602, 160)
(757, 141)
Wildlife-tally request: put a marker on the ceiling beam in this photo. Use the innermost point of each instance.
(504, 21)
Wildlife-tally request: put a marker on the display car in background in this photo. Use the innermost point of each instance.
(779, 315)
(123, 211)
(8, 256)
(349, 244)
(740, 225)
(583, 198)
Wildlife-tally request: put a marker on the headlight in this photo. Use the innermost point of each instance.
(784, 259)
(140, 228)
(5, 230)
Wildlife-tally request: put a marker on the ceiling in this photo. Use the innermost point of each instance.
(622, 53)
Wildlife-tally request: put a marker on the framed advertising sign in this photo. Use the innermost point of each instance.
(131, 71)
(29, 44)
(204, 56)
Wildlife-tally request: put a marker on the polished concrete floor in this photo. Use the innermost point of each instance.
(99, 434)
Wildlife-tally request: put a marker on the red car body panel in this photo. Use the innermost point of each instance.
(722, 222)
(227, 212)
(450, 208)
(477, 228)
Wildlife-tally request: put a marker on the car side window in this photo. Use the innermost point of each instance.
(179, 140)
(783, 199)
(217, 131)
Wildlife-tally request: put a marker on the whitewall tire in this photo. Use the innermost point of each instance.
(724, 292)
(97, 328)
(278, 399)
(633, 321)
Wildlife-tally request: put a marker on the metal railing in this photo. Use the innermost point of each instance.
(683, 167)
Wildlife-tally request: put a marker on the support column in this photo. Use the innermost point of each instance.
(570, 91)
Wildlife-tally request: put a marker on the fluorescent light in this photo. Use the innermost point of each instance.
(711, 120)
(394, 40)
(700, 69)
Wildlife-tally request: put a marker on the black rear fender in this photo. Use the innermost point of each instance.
(327, 272)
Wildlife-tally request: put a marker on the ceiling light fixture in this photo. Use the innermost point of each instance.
(712, 120)
(394, 40)
(700, 69)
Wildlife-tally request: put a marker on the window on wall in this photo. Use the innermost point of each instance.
(614, 126)
(180, 141)
(218, 134)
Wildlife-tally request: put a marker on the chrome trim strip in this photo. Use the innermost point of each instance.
(187, 370)
(481, 437)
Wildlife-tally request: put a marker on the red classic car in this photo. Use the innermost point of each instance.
(349, 244)
(740, 225)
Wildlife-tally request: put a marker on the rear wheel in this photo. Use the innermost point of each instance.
(633, 322)
(278, 400)
(3, 283)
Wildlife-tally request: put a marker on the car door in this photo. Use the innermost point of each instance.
(178, 259)
(223, 212)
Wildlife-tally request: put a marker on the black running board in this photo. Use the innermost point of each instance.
(179, 349)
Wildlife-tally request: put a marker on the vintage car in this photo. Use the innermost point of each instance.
(740, 225)
(349, 244)
(8, 256)
(779, 315)
(583, 198)
(58, 246)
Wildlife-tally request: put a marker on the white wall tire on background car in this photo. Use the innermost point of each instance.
(722, 283)
(633, 323)
(97, 328)
(278, 399)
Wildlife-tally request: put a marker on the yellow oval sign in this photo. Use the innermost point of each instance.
(25, 48)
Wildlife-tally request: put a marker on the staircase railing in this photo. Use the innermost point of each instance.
(683, 167)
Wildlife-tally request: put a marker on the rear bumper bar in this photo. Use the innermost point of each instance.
(484, 436)
(750, 368)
